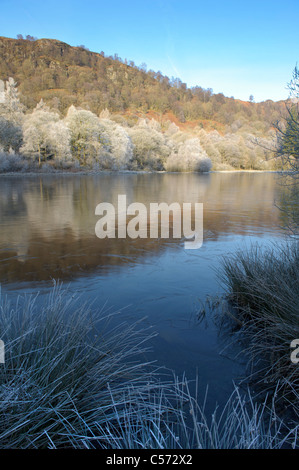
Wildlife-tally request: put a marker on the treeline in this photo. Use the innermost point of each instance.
(81, 138)
(63, 76)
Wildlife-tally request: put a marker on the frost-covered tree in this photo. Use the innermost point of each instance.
(38, 139)
(10, 106)
(153, 124)
(237, 150)
(88, 137)
(151, 147)
(59, 139)
(230, 151)
(209, 144)
(105, 114)
(120, 144)
(11, 135)
(189, 156)
(172, 129)
(2, 92)
(11, 116)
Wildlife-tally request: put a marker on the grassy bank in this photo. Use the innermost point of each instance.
(71, 380)
(263, 288)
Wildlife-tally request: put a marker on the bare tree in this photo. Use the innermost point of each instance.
(288, 150)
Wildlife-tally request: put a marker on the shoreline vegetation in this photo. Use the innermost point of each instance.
(262, 285)
(72, 106)
(72, 380)
(45, 139)
(57, 172)
(262, 293)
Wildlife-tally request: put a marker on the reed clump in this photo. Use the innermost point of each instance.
(73, 380)
(263, 288)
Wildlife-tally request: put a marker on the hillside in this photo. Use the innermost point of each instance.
(64, 75)
(68, 107)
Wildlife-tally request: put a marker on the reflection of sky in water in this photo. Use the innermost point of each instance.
(47, 231)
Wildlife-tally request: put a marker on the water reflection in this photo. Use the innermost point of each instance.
(47, 230)
(47, 224)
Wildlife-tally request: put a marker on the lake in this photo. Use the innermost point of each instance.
(47, 231)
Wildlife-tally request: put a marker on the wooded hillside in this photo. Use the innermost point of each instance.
(64, 75)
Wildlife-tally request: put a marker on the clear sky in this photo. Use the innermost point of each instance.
(237, 47)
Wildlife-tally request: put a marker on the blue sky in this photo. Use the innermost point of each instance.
(237, 47)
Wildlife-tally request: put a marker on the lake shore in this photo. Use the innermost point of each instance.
(110, 172)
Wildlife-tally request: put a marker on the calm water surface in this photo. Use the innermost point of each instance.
(47, 231)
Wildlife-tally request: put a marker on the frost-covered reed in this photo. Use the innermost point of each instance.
(263, 286)
(72, 379)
